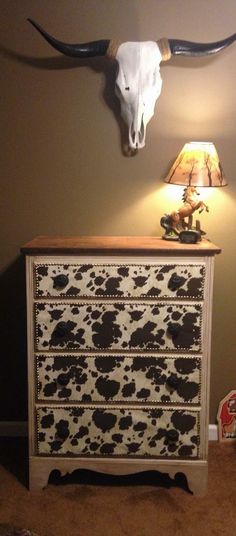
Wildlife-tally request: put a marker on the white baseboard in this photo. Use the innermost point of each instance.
(19, 429)
(213, 432)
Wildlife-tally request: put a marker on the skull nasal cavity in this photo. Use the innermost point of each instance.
(137, 134)
(133, 135)
(141, 131)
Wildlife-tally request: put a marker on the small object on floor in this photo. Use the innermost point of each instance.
(226, 417)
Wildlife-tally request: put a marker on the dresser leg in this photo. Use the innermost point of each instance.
(38, 474)
(197, 478)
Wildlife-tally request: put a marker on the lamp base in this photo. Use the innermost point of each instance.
(190, 236)
(183, 232)
(170, 236)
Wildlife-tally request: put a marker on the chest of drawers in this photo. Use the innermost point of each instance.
(119, 333)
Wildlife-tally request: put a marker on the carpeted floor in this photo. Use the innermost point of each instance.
(84, 504)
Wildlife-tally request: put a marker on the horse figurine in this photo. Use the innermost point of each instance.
(175, 222)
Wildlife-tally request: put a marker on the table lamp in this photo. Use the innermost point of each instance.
(197, 164)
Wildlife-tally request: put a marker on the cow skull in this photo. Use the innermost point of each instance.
(138, 86)
(138, 82)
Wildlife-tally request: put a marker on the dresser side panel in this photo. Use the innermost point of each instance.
(31, 363)
(206, 360)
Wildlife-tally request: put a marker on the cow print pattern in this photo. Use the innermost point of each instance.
(118, 326)
(118, 379)
(86, 431)
(120, 281)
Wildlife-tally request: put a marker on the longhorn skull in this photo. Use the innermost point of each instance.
(138, 82)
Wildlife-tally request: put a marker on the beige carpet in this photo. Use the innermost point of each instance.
(88, 505)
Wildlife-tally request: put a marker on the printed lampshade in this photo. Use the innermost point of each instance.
(197, 164)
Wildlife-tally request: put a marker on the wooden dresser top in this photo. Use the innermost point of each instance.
(115, 245)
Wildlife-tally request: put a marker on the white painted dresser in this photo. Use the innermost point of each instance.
(119, 334)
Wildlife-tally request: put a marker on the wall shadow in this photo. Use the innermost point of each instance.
(14, 458)
(13, 362)
(105, 66)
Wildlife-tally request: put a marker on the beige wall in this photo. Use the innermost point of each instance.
(63, 170)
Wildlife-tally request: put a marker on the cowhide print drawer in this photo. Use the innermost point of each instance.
(118, 326)
(97, 431)
(119, 281)
(112, 378)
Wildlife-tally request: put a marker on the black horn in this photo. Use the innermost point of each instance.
(189, 48)
(80, 50)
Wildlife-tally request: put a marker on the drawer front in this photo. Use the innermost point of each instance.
(119, 281)
(118, 379)
(118, 326)
(85, 431)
